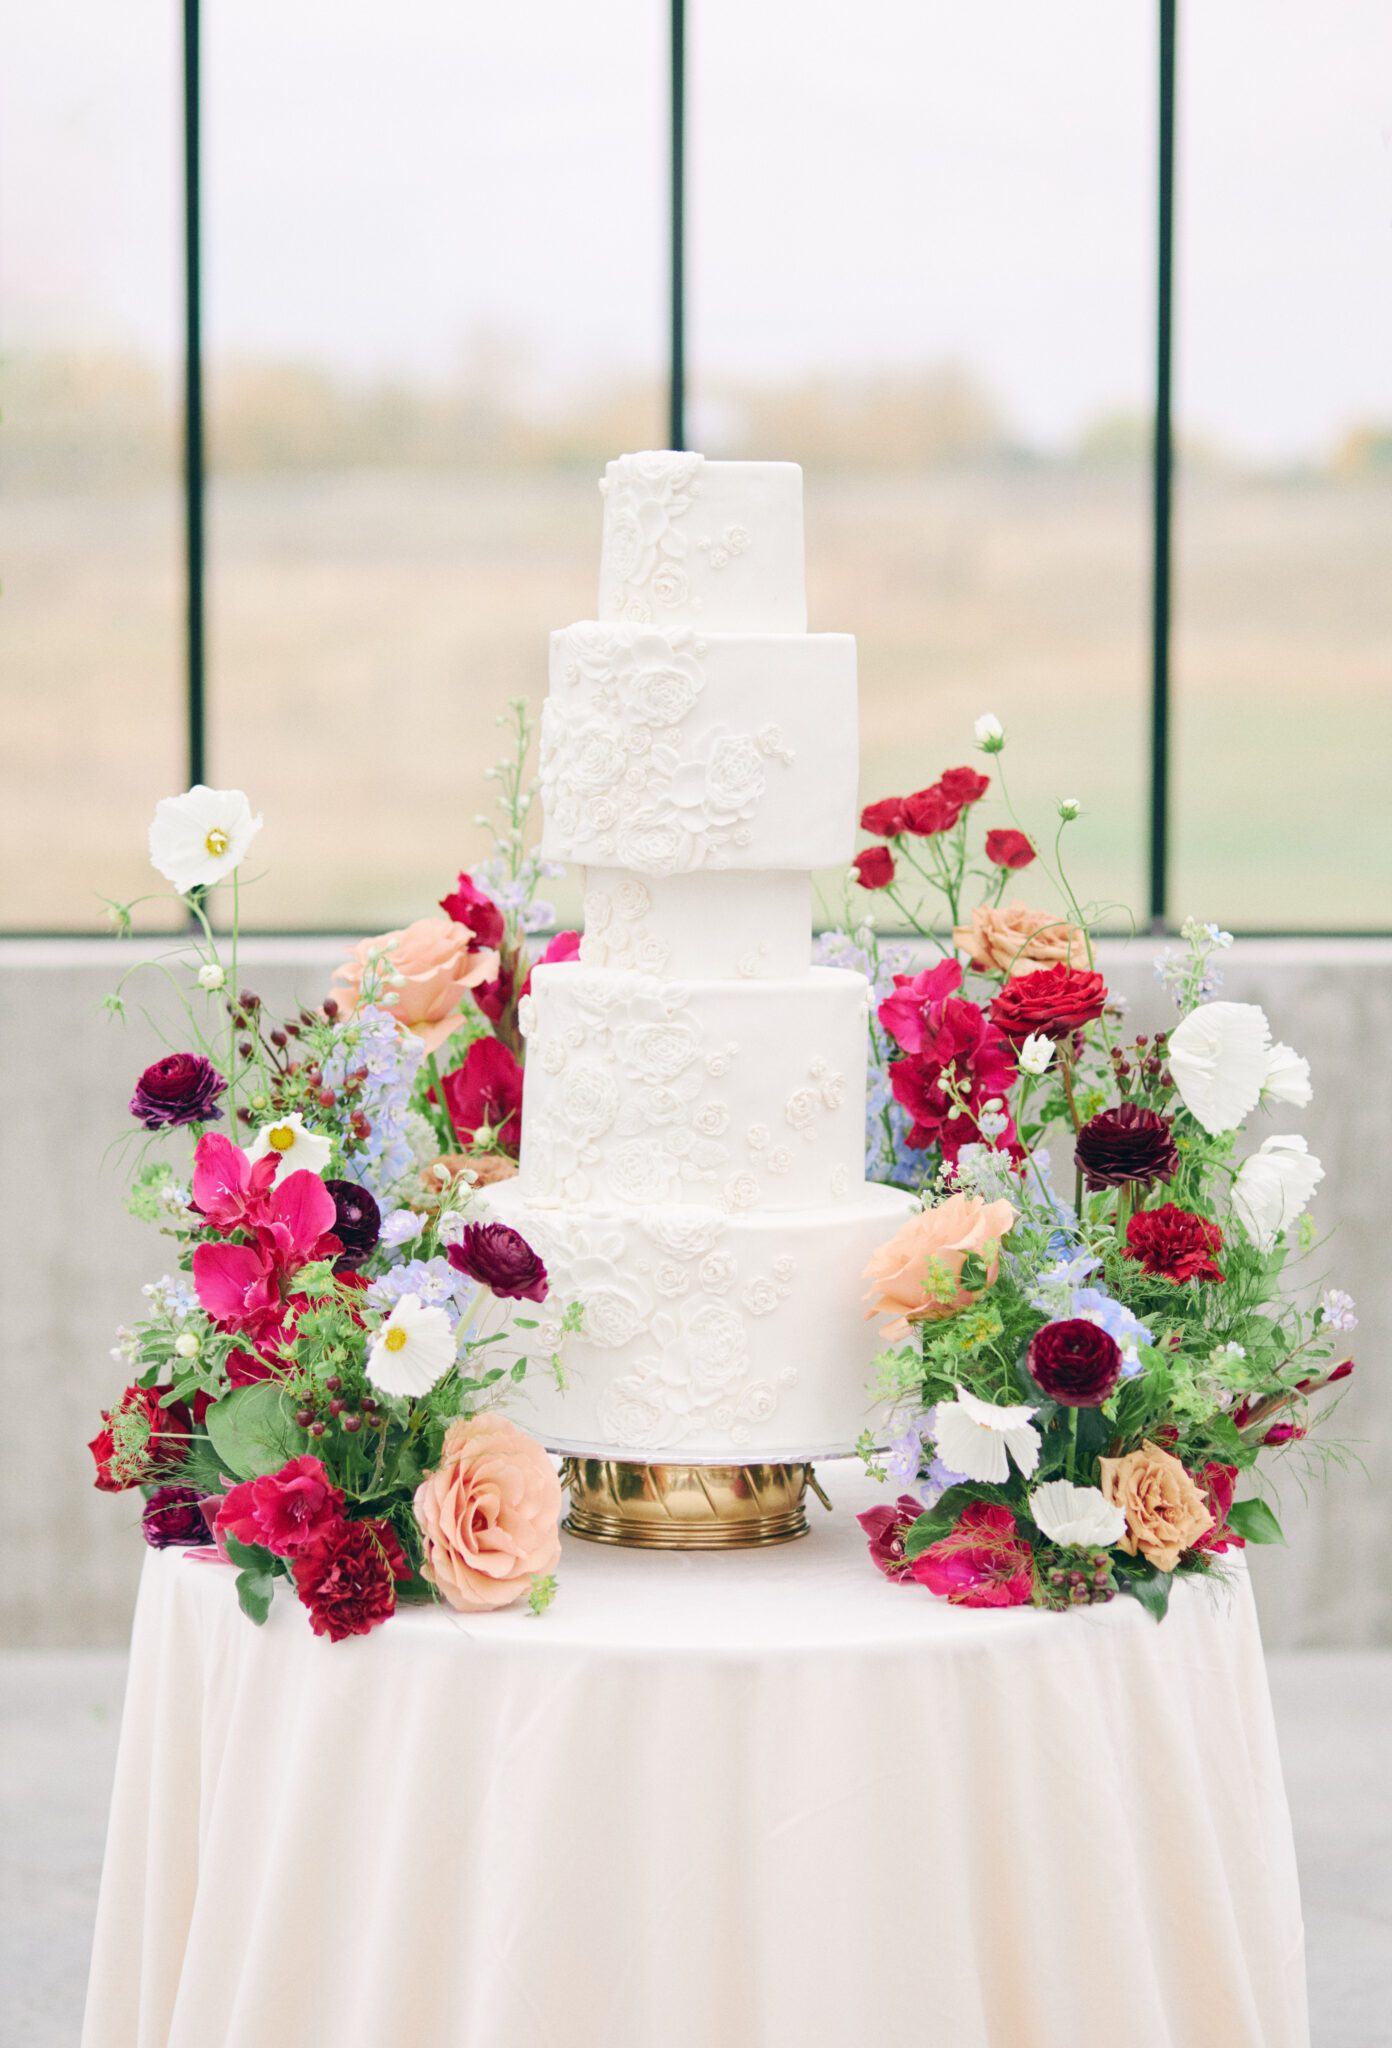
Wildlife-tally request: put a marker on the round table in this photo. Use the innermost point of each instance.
(749, 1800)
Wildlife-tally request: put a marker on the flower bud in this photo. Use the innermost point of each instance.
(210, 975)
(989, 733)
(1068, 809)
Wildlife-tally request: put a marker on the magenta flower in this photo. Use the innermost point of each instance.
(182, 1088)
(886, 1527)
(228, 1191)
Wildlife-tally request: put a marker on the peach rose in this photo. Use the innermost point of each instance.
(1013, 939)
(489, 1513)
(486, 1167)
(914, 1277)
(437, 964)
(1165, 1511)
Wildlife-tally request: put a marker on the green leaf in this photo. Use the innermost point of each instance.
(942, 1519)
(1151, 1589)
(251, 1556)
(1254, 1520)
(252, 1430)
(254, 1590)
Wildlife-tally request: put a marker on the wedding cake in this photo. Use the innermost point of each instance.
(692, 1160)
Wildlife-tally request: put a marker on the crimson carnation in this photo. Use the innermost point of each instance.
(963, 785)
(174, 1515)
(499, 1258)
(874, 866)
(1074, 1362)
(1125, 1146)
(886, 1527)
(485, 1094)
(478, 913)
(1173, 1244)
(139, 1438)
(182, 1088)
(1053, 1000)
(347, 1577)
(983, 1562)
(886, 818)
(1009, 848)
(930, 811)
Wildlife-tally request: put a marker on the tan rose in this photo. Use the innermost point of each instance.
(437, 965)
(489, 1513)
(1012, 939)
(913, 1277)
(486, 1168)
(1165, 1512)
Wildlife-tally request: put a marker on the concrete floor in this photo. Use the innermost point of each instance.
(60, 1712)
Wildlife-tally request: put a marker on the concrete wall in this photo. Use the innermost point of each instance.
(72, 1263)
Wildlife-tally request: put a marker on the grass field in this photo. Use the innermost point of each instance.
(365, 626)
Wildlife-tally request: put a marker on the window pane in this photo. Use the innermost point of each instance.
(436, 262)
(923, 247)
(91, 627)
(1283, 644)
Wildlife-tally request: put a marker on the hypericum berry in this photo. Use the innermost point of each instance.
(316, 1428)
(376, 1421)
(333, 1383)
(244, 1048)
(352, 1423)
(243, 1116)
(327, 1098)
(337, 1406)
(303, 1417)
(278, 1038)
(249, 1001)
(293, 1029)
(330, 1008)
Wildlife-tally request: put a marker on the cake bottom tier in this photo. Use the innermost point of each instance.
(705, 1337)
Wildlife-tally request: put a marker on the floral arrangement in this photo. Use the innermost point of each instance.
(314, 1389)
(1083, 1377)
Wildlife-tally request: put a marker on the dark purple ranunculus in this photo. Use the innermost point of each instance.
(1128, 1145)
(501, 1259)
(174, 1514)
(182, 1088)
(357, 1222)
(1075, 1362)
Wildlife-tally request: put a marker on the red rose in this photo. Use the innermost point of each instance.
(983, 1562)
(139, 1438)
(347, 1577)
(1218, 1484)
(1054, 1000)
(478, 913)
(930, 811)
(1008, 848)
(886, 1528)
(1126, 1146)
(963, 785)
(1074, 1362)
(485, 1094)
(874, 866)
(885, 818)
(1173, 1244)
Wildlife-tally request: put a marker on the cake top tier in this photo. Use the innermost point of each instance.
(712, 544)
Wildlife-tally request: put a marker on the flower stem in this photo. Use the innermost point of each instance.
(449, 1133)
(1072, 1442)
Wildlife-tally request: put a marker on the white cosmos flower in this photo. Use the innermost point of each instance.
(1287, 1078)
(973, 1437)
(1273, 1187)
(199, 838)
(295, 1148)
(413, 1349)
(1219, 1056)
(1076, 1516)
(1036, 1053)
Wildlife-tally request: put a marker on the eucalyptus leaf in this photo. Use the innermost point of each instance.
(252, 1430)
(1254, 1520)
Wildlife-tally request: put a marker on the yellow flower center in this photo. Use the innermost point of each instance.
(395, 1339)
(217, 842)
(281, 1138)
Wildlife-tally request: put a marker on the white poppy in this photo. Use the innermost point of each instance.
(1219, 1055)
(973, 1437)
(199, 838)
(1287, 1078)
(413, 1349)
(296, 1149)
(989, 733)
(1273, 1187)
(1076, 1516)
(1036, 1053)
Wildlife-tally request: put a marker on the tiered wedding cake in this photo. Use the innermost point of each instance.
(693, 1123)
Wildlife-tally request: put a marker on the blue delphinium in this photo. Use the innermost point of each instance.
(373, 1039)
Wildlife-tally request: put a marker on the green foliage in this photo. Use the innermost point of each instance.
(543, 1592)
(1149, 1587)
(942, 1519)
(1254, 1520)
(252, 1430)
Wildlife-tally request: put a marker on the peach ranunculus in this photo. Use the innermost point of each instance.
(1012, 939)
(437, 965)
(489, 1513)
(1165, 1511)
(915, 1277)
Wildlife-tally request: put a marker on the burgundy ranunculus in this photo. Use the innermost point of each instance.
(347, 1577)
(874, 866)
(886, 1528)
(1174, 1244)
(1074, 1362)
(930, 811)
(1125, 1146)
(983, 1562)
(1053, 1000)
(182, 1088)
(478, 913)
(486, 1093)
(357, 1222)
(499, 1258)
(885, 818)
(1008, 848)
(963, 785)
(1218, 1484)
(173, 1515)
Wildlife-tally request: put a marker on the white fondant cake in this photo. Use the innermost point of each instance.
(693, 1118)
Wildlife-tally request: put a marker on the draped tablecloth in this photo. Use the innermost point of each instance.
(752, 1800)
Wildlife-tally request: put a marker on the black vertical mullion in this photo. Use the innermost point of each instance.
(1162, 509)
(676, 359)
(193, 400)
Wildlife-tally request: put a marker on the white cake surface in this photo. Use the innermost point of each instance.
(693, 1127)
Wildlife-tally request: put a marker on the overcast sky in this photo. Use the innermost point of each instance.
(873, 183)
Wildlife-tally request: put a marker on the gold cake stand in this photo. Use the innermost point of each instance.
(687, 1507)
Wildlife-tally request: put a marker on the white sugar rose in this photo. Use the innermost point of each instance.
(611, 1318)
(716, 1272)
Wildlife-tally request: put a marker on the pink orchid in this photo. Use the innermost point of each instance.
(228, 1190)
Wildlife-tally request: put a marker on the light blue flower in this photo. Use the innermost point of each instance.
(1127, 1332)
(434, 1282)
(374, 1040)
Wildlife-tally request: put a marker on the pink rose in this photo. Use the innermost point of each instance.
(916, 1276)
(488, 1514)
(437, 961)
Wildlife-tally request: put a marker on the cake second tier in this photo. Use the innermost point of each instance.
(739, 1094)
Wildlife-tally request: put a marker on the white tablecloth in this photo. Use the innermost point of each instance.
(760, 1800)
